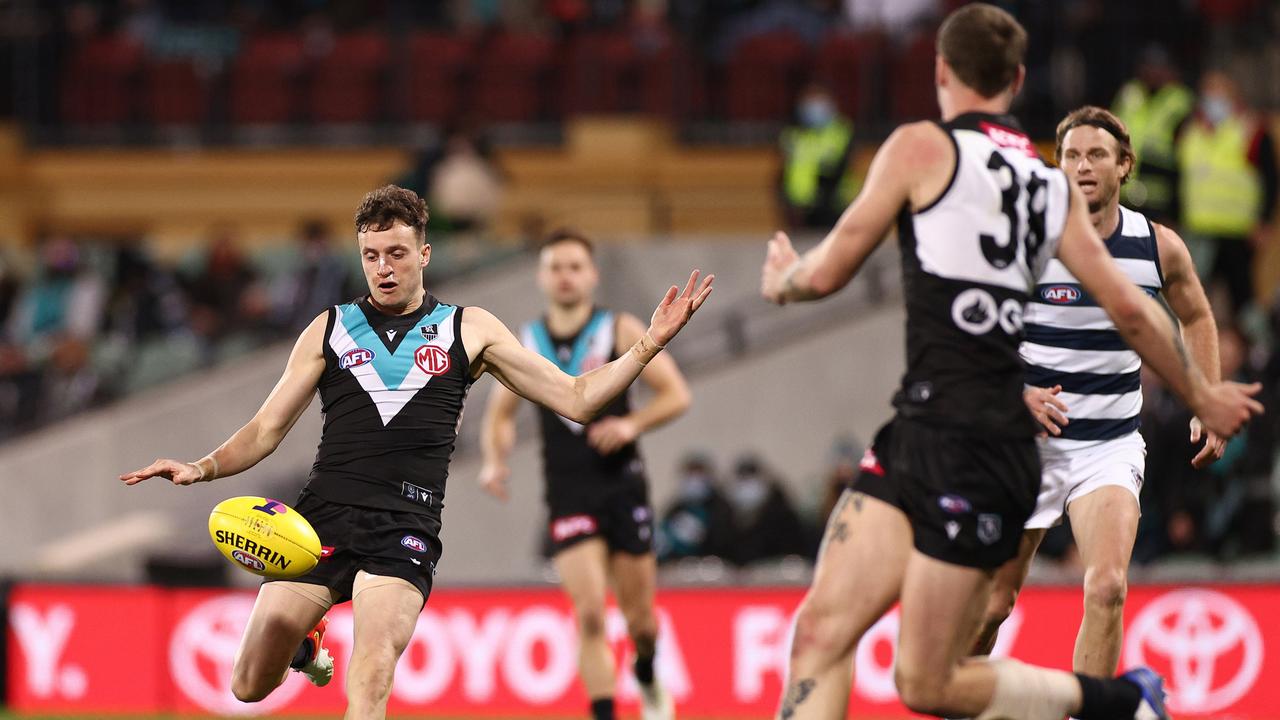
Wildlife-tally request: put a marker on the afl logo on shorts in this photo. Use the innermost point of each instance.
(413, 543)
(1060, 294)
(432, 360)
(355, 358)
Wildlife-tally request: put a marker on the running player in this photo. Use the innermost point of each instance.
(392, 370)
(1083, 388)
(948, 481)
(600, 521)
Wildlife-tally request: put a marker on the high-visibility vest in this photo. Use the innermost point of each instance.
(1152, 119)
(1221, 190)
(808, 154)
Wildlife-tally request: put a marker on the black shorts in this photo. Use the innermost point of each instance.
(390, 543)
(966, 495)
(621, 516)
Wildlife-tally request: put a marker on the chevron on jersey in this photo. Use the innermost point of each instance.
(595, 340)
(392, 378)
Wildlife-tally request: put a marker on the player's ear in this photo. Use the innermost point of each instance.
(940, 71)
(1017, 81)
(426, 255)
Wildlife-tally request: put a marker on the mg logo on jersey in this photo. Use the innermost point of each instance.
(432, 360)
(1207, 645)
(355, 358)
(1060, 294)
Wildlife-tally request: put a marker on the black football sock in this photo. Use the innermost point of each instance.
(1107, 698)
(602, 709)
(302, 655)
(644, 669)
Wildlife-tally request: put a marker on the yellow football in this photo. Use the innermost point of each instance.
(264, 536)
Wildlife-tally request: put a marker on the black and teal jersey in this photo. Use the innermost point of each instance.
(573, 469)
(391, 395)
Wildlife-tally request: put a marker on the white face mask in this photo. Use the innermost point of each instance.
(1216, 108)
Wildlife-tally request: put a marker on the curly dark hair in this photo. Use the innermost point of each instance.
(389, 204)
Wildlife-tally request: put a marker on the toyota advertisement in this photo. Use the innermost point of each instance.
(512, 652)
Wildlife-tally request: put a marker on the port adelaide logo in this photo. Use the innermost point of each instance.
(430, 332)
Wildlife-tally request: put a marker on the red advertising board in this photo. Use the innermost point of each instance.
(512, 652)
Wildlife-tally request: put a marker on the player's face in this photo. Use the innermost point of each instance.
(567, 274)
(1090, 157)
(393, 260)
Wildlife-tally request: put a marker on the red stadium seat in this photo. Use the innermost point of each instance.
(437, 69)
(347, 84)
(176, 93)
(846, 64)
(99, 82)
(264, 80)
(673, 81)
(601, 74)
(512, 78)
(911, 79)
(764, 75)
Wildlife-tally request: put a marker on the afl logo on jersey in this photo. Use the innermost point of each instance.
(1060, 294)
(355, 358)
(432, 360)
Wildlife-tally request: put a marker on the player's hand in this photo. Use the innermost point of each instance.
(1047, 408)
(1225, 407)
(1213, 448)
(778, 259)
(610, 434)
(176, 472)
(493, 479)
(676, 309)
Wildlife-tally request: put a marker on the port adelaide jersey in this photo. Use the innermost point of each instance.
(570, 464)
(970, 261)
(391, 395)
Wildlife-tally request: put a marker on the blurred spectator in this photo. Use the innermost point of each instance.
(1154, 105)
(223, 296)
(65, 299)
(1228, 183)
(146, 300)
(464, 185)
(816, 183)
(765, 523)
(324, 277)
(699, 522)
(69, 383)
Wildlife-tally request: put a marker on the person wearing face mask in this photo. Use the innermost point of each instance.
(1227, 185)
(1154, 105)
(699, 522)
(816, 185)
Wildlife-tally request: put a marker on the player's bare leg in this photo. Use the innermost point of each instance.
(856, 580)
(282, 616)
(583, 570)
(386, 612)
(1005, 586)
(1105, 523)
(635, 580)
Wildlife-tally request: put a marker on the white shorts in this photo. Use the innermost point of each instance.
(1075, 468)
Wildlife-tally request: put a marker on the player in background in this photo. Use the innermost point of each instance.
(1084, 390)
(392, 370)
(599, 517)
(950, 481)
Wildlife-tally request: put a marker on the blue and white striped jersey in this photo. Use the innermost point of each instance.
(1071, 342)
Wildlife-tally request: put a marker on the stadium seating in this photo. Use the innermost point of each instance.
(436, 72)
(846, 64)
(264, 86)
(175, 92)
(99, 83)
(347, 83)
(764, 75)
(512, 78)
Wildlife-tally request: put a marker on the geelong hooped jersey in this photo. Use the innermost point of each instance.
(1071, 342)
(391, 394)
(570, 464)
(970, 261)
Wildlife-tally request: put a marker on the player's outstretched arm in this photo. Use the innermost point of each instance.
(497, 438)
(580, 398)
(1185, 297)
(1223, 407)
(669, 401)
(262, 434)
(913, 165)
